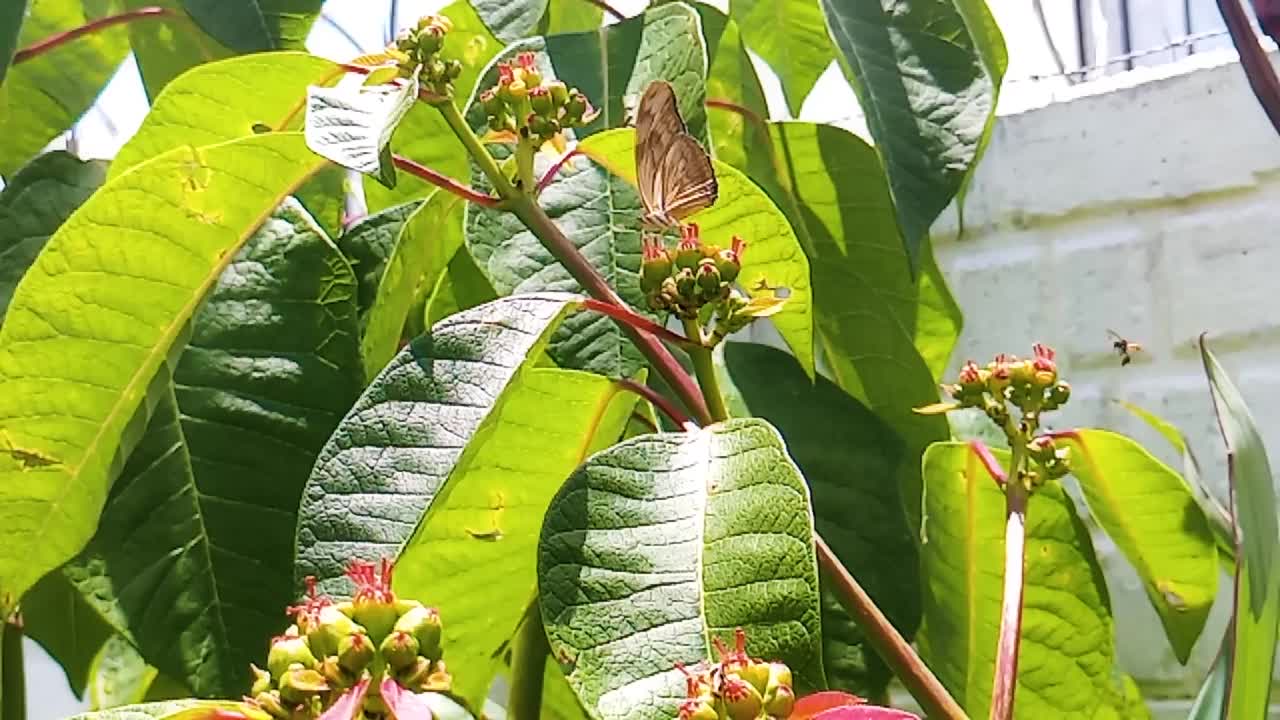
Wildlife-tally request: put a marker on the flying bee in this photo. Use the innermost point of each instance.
(1123, 347)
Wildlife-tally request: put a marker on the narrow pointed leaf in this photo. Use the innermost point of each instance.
(41, 98)
(1067, 660)
(98, 315)
(1256, 614)
(921, 71)
(773, 253)
(1151, 514)
(849, 458)
(33, 204)
(351, 124)
(398, 445)
(663, 542)
(223, 101)
(1211, 700)
(791, 36)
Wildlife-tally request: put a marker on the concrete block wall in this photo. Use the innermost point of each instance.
(1149, 205)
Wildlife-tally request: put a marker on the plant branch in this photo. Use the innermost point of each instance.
(13, 690)
(622, 313)
(531, 651)
(551, 173)
(666, 406)
(476, 149)
(1257, 67)
(887, 641)
(1015, 540)
(53, 41)
(444, 181)
(704, 368)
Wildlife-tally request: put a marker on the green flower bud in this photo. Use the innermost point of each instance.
(423, 624)
(575, 107)
(261, 680)
(741, 700)
(355, 652)
(780, 703)
(430, 40)
(399, 649)
(1059, 394)
(270, 701)
(728, 264)
(288, 650)
(298, 684)
(493, 105)
(756, 673)
(698, 709)
(559, 92)
(331, 628)
(333, 673)
(709, 277)
(453, 69)
(517, 90)
(655, 264)
(550, 129)
(779, 676)
(685, 283)
(540, 101)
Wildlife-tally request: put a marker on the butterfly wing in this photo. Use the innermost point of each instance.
(687, 181)
(658, 124)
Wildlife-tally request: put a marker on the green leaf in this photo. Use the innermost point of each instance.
(33, 204)
(1151, 514)
(920, 71)
(773, 252)
(570, 16)
(423, 134)
(97, 317)
(70, 628)
(791, 36)
(271, 367)
(119, 676)
(223, 101)
(397, 446)
(1067, 662)
(1211, 700)
(43, 98)
(352, 124)
(418, 254)
(510, 20)
(369, 245)
(11, 18)
(461, 287)
(849, 457)
(168, 48)
(255, 25)
(480, 527)
(1256, 615)
(158, 710)
(663, 542)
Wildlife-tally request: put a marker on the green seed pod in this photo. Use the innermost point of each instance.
(559, 92)
(399, 649)
(688, 255)
(1060, 393)
(376, 617)
(728, 264)
(780, 703)
(289, 650)
(298, 684)
(699, 710)
(540, 101)
(708, 277)
(756, 673)
(355, 652)
(261, 680)
(549, 131)
(424, 624)
(323, 639)
(453, 69)
(685, 283)
(741, 700)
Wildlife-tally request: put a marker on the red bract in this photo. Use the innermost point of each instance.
(834, 705)
(404, 705)
(348, 705)
(369, 586)
(810, 705)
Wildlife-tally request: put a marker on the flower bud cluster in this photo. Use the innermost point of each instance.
(693, 275)
(1031, 385)
(523, 103)
(1052, 461)
(418, 49)
(332, 646)
(739, 687)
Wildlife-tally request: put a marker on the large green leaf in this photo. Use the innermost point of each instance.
(926, 73)
(369, 245)
(397, 446)
(271, 367)
(480, 528)
(96, 318)
(791, 36)
(255, 25)
(11, 17)
(461, 287)
(663, 542)
(42, 98)
(423, 135)
(570, 16)
(849, 457)
(223, 101)
(1151, 514)
(1256, 615)
(67, 625)
(417, 257)
(1067, 659)
(166, 49)
(773, 252)
(33, 204)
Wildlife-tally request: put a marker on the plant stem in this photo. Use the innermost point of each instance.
(13, 690)
(705, 370)
(53, 41)
(527, 666)
(934, 699)
(653, 396)
(441, 180)
(477, 150)
(1015, 540)
(1257, 67)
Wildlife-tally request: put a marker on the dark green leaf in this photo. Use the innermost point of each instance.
(570, 16)
(919, 68)
(1256, 615)
(397, 446)
(1151, 514)
(461, 287)
(1067, 658)
(71, 629)
(791, 36)
(97, 318)
(510, 20)
(848, 456)
(480, 527)
(166, 49)
(119, 676)
(33, 204)
(42, 98)
(369, 245)
(11, 17)
(255, 25)
(663, 542)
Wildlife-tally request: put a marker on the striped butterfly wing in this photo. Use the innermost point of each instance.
(672, 169)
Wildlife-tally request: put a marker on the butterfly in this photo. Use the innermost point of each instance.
(675, 174)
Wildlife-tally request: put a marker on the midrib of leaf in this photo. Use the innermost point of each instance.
(971, 574)
(597, 416)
